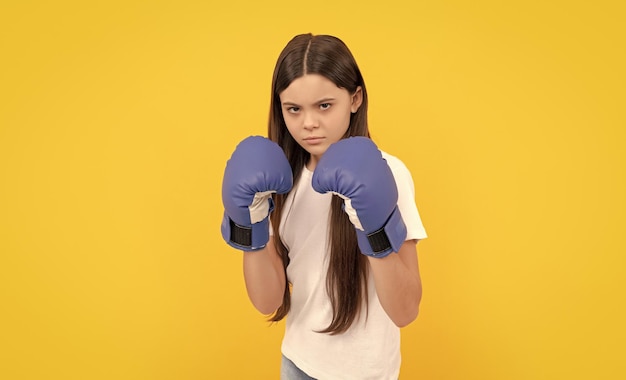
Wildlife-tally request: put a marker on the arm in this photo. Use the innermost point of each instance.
(265, 278)
(354, 169)
(256, 169)
(398, 283)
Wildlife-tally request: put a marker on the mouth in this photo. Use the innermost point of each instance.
(313, 140)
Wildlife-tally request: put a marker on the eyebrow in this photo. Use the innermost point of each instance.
(321, 101)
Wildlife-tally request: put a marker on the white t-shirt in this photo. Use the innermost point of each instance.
(370, 348)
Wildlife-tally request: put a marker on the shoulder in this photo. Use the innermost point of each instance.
(396, 165)
(406, 197)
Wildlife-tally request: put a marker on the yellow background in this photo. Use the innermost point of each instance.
(117, 117)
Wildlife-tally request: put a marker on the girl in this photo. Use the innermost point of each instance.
(338, 258)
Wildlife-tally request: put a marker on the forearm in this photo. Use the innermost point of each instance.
(398, 284)
(265, 278)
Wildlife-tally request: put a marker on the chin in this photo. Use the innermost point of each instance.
(317, 150)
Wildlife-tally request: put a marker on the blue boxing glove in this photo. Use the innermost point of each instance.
(257, 168)
(355, 170)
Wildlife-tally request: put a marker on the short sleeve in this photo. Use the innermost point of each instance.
(406, 198)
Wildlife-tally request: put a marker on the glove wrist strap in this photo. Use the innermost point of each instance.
(379, 242)
(240, 235)
(245, 237)
(386, 240)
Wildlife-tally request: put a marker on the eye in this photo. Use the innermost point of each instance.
(325, 106)
(293, 109)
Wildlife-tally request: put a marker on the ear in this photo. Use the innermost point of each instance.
(357, 100)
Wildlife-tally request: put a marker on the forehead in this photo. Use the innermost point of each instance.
(310, 88)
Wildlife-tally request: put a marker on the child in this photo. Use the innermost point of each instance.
(339, 257)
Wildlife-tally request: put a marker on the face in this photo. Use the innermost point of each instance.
(317, 113)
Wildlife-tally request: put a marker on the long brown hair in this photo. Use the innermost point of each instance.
(347, 271)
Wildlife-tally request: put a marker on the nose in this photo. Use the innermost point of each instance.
(310, 121)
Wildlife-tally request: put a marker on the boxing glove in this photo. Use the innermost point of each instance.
(354, 169)
(257, 168)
